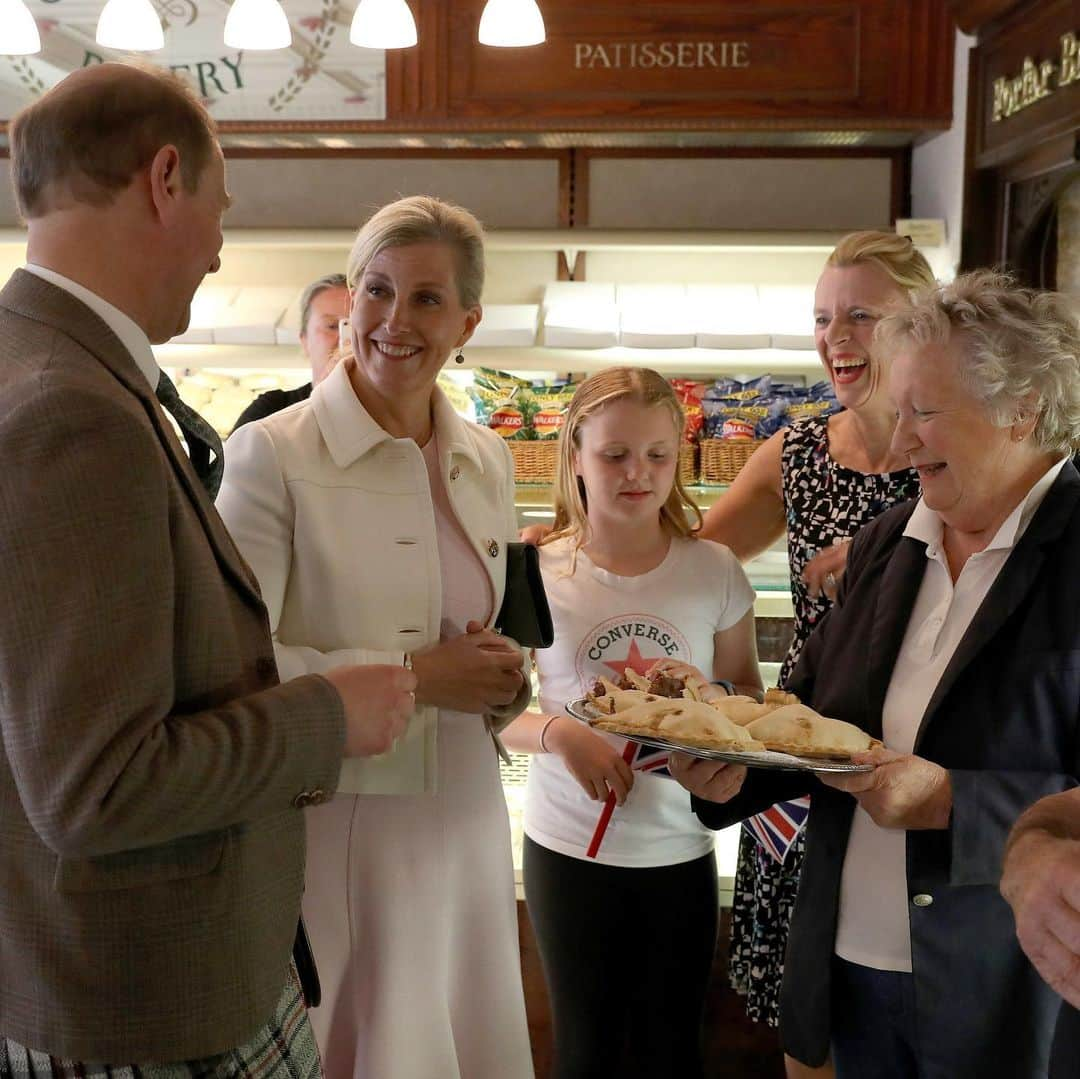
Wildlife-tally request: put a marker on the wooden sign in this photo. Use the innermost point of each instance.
(776, 63)
(1026, 81)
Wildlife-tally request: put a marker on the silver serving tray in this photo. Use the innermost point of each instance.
(760, 758)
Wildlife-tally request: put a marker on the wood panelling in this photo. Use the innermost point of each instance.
(972, 15)
(672, 65)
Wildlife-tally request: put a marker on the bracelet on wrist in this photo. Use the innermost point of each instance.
(543, 731)
(729, 687)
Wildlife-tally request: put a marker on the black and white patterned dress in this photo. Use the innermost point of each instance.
(824, 503)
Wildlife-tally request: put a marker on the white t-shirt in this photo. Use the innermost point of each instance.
(604, 623)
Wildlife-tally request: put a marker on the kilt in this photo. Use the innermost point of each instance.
(283, 1048)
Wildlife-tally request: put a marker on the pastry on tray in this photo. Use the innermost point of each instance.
(668, 706)
(690, 722)
(795, 728)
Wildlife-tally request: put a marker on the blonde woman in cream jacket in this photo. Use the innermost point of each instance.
(376, 521)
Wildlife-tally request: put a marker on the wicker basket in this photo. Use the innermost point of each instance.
(721, 458)
(534, 462)
(688, 462)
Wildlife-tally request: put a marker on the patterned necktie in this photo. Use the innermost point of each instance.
(202, 440)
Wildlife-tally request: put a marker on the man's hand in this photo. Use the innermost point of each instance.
(712, 780)
(903, 791)
(378, 701)
(1041, 883)
(475, 672)
(589, 759)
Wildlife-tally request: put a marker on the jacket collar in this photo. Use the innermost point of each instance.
(1013, 583)
(350, 432)
(35, 298)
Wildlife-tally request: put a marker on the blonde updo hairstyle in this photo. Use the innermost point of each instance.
(896, 256)
(424, 219)
(679, 515)
(1019, 349)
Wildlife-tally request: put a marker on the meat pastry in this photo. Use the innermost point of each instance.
(794, 728)
(690, 722)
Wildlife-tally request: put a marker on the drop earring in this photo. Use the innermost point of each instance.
(460, 357)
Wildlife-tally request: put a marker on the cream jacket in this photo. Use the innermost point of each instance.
(335, 517)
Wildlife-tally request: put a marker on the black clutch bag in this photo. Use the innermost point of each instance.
(525, 614)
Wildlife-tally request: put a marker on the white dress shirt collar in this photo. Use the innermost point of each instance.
(925, 525)
(131, 335)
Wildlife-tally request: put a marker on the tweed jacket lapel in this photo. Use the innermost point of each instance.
(1013, 583)
(34, 298)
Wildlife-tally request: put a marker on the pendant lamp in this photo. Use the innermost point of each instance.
(20, 33)
(257, 25)
(383, 24)
(130, 26)
(511, 23)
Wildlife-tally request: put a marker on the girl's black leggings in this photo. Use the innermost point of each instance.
(627, 955)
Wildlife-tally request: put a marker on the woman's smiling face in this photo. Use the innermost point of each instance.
(848, 302)
(966, 464)
(407, 317)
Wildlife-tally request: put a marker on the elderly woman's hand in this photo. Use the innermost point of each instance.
(712, 780)
(822, 573)
(476, 672)
(1042, 885)
(903, 791)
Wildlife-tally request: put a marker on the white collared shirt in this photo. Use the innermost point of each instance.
(873, 928)
(131, 335)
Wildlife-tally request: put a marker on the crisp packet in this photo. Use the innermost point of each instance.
(504, 403)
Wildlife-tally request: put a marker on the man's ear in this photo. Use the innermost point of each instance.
(166, 183)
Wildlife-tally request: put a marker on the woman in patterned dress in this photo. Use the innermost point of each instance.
(820, 479)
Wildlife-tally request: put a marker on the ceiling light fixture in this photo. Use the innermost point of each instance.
(383, 24)
(511, 24)
(130, 26)
(20, 36)
(257, 24)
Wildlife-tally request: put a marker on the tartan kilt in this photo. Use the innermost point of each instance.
(283, 1048)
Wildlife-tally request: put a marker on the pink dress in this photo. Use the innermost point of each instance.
(409, 899)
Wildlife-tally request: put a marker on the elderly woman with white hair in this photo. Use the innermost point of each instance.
(376, 521)
(955, 640)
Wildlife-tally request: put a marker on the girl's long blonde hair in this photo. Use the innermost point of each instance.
(679, 515)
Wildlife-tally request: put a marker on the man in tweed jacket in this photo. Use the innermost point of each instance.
(152, 769)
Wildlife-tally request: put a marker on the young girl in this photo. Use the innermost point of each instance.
(620, 877)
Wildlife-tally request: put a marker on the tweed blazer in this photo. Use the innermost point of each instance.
(1005, 721)
(151, 858)
(335, 516)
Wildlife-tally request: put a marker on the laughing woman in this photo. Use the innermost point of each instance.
(376, 521)
(956, 640)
